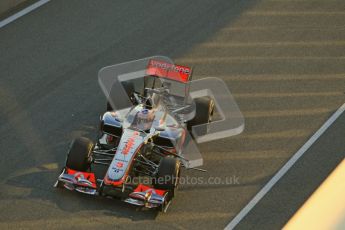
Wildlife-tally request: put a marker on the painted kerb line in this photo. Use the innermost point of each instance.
(284, 169)
(22, 12)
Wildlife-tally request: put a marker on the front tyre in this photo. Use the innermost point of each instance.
(79, 155)
(168, 174)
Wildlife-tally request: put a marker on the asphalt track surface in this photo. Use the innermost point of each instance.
(283, 61)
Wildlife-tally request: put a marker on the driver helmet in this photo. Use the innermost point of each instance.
(145, 118)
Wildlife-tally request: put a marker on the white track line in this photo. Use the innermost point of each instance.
(22, 12)
(284, 169)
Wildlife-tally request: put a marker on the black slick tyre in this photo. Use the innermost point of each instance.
(79, 155)
(204, 108)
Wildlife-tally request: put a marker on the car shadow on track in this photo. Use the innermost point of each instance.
(41, 188)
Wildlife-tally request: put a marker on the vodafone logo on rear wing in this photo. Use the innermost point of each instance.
(168, 70)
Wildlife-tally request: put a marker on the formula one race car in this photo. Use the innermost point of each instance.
(141, 147)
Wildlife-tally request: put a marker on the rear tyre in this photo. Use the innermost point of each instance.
(168, 175)
(204, 108)
(79, 155)
(129, 88)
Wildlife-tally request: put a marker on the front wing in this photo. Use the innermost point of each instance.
(86, 182)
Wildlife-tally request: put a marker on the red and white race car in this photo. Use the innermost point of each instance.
(139, 152)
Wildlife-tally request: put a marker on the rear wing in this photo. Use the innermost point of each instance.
(169, 71)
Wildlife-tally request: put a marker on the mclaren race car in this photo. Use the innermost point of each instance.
(139, 148)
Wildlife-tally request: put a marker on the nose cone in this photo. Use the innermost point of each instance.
(129, 144)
